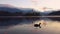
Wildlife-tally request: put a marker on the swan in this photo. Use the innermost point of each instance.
(37, 25)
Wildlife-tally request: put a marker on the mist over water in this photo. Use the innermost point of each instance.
(26, 26)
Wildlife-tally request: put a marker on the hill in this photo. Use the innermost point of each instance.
(8, 10)
(55, 13)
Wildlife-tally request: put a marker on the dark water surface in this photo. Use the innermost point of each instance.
(26, 26)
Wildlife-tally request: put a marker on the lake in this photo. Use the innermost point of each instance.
(26, 26)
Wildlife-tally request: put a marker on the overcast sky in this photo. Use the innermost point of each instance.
(37, 4)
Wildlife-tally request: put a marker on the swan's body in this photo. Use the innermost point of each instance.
(37, 25)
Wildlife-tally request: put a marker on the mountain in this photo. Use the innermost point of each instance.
(55, 13)
(9, 10)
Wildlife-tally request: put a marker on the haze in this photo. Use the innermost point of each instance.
(36, 4)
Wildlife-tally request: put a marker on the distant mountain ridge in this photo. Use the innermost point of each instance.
(55, 13)
(8, 10)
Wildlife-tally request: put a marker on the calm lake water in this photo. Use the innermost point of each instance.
(26, 26)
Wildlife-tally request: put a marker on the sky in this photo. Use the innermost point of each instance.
(36, 4)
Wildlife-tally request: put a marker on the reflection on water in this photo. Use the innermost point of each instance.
(25, 26)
